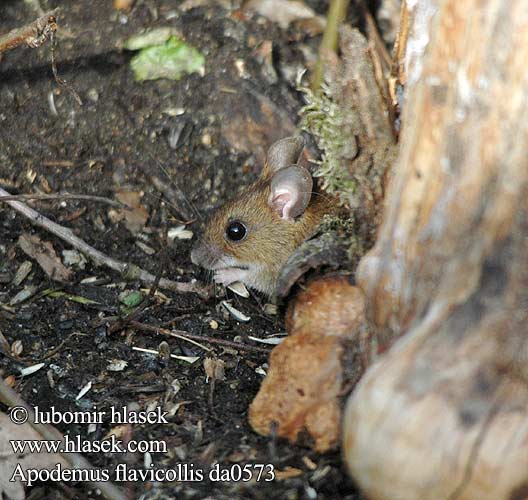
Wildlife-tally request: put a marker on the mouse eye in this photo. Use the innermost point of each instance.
(236, 231)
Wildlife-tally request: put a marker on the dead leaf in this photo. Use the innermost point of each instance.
(22, 272)
(214, 368)
(26, 293)
(44, 253)
(136, 218)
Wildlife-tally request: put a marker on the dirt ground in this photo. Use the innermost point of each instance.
(202, 138)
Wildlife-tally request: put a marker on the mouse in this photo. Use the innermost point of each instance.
(250, 238)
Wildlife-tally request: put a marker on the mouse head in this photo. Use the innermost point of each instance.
(250, 238)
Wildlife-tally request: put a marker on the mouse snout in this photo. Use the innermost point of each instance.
(204, 255)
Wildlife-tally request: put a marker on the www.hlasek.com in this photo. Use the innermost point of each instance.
(122, 472)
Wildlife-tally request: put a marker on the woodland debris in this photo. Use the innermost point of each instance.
(22, 272)
(129, 271)
(287, 473)
(116, 365)
(33, 35)
(61, 196)
(151, 37)
(194, 338)
(351, 123)
(268, 340)
(214, 369)
(303, 386)
(123, 4)
(446, 282)
(187, 359)
(173, 194)
(84, 390)
(145, 248)
(26, 293)
(179, 233)
(136, 215)
(44, 253)
(29, 370)
(73, 258)
(238, 315)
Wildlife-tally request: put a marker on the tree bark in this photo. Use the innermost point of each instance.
(444, 414)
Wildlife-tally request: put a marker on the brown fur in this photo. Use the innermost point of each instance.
(270, 240)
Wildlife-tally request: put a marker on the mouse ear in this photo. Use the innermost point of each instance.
(282, 154)
(290, 191)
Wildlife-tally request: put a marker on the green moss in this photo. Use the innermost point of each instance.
(322, 118)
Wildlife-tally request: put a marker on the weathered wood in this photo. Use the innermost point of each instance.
(304, 385)
(365, 124)
(445, 413)
(33, 34)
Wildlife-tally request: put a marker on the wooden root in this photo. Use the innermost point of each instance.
(444, 414)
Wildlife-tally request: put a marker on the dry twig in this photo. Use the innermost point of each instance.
(33, 35)
(204, 338)
(127, 270)
(101, 199)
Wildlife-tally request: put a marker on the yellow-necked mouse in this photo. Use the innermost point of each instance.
(251, 237)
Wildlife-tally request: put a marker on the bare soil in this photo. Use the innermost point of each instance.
(185, 133)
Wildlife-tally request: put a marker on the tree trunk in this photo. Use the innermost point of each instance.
(444, 414)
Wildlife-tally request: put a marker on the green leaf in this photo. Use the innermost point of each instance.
(131, 299)
(55, 294)
(171, 60)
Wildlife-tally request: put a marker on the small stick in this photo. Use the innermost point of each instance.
(203, 338)
(58, 79)
(59, 196)
(170, 333)
(33, 35)
(10, 398)
(127, 270)
(375, 37)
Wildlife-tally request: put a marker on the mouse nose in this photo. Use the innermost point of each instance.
(204, 254)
